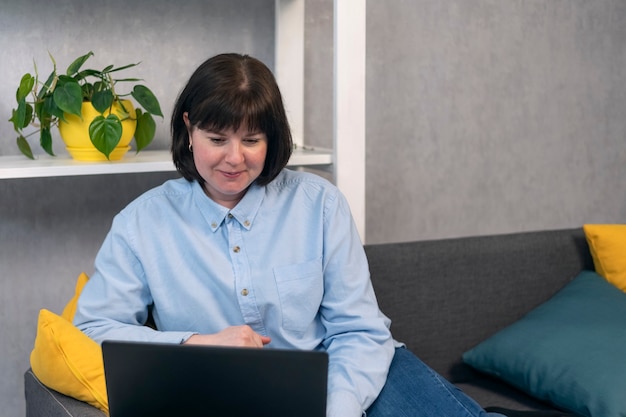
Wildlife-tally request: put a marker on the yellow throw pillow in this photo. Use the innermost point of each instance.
(607, 243)
(70, 308)
(68, 361)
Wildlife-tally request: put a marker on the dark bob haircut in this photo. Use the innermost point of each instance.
(226, 91)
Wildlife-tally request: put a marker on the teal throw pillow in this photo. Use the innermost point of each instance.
(570, 351)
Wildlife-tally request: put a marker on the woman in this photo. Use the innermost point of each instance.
(243, 252)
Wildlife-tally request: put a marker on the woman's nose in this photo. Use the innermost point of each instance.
(234, 153)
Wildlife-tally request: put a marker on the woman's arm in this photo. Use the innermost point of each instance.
(358, 339)
(114, 304)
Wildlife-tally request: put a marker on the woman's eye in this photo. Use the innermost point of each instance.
(217, 140)
(251, 141)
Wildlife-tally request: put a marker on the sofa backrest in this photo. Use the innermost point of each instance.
(445, 296)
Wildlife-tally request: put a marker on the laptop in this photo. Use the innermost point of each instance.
(172, 380)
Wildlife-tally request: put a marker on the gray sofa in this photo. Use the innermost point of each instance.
(443, 296)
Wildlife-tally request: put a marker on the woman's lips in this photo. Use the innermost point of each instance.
(231, 175)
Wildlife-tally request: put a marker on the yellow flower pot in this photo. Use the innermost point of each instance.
(75, 133)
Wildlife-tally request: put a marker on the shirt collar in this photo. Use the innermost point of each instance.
(244, 212)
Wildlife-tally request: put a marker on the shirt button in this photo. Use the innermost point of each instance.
(246, 223)
(214, 225)
(236, 249)
(244, 292)
(230, 215)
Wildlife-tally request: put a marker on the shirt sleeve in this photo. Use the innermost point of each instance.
(358, 339)
(114, 304)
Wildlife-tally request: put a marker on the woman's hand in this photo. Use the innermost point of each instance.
(238, 336)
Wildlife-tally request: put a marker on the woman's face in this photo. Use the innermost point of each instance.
(228, 161)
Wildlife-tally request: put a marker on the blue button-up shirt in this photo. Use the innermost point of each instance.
(287, 261)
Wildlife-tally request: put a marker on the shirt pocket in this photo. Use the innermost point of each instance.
(300, 291)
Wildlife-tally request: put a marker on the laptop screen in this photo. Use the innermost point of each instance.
(157, 379)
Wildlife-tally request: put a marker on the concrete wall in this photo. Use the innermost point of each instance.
(483, 116)
(493, 116)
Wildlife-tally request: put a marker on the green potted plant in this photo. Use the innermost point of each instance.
(84, 102)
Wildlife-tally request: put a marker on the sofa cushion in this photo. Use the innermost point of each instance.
(67, 360)
(568, 351)
(607, 243)
(70, 308)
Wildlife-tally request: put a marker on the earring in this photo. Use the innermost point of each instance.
(189, 147)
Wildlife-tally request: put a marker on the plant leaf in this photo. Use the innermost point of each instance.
(111, 69)
(88, 90)
(24, 147)
(146, 127)
(99, 86)
(20, 115)
(102, 100)
(49, 109)
(147, 99)
(106, 133)
(119, 80)
(69, 98)
(25, 119)
(88, 73)
(78, 62)
(39, 107)
(45, 140)
(29, 115)
(64, 79)
(26, 86)
(46, 85)
(13, 120)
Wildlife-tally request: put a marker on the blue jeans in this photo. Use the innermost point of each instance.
(415, 390)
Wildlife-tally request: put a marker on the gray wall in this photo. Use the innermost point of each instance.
(493, 116)
(483, 116)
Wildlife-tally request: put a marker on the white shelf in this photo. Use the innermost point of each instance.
(145, 161)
